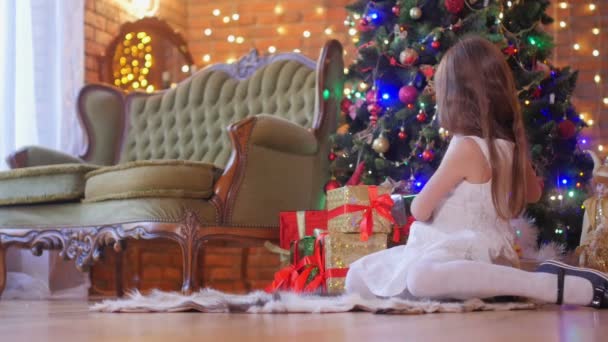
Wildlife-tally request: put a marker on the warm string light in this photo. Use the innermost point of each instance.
(279, 10)
(134, 60)
(594, 50)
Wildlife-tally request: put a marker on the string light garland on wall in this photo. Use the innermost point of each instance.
(586, 45)
(280, 9)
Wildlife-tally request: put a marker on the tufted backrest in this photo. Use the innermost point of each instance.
(189, 122)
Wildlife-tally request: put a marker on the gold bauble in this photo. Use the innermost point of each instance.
(380, 144)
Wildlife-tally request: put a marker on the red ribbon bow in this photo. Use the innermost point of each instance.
(379, 204)
(294, 276)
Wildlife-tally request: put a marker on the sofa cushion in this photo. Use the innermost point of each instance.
(76, 214)
(151, 178)
(40, 184)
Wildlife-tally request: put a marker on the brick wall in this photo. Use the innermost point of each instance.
(579, 21)
(102, 22)
(267, 25)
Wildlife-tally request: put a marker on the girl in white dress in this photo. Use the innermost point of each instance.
(461, 245)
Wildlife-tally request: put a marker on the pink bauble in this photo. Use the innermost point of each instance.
(408, 94)
(371, 96)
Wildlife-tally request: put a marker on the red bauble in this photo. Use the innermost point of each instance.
(436, 44)
(393, 61)
(396, 10)
(427, 70)
(374, 109)
(566, 129)
(331, 185)
(402, 135)
(454, 6)
(345, 105)
(408, 94)
(408, 57)
(332, 156)
(371, 96)
(537, 92)
(421, 117)
(428, 155)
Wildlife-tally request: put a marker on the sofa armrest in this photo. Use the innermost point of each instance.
(101, 111)
(39, 156)
(268, 173)
(282, 135)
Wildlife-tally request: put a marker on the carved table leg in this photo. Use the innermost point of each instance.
(2, 269)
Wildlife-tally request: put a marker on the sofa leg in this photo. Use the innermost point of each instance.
(190, 251)
(2, 269)
(244, 267)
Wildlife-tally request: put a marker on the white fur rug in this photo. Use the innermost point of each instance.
(209, 300)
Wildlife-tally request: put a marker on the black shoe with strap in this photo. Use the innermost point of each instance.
(598, 280)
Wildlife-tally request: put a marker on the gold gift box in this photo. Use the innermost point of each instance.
(343, 249)
(350, 222)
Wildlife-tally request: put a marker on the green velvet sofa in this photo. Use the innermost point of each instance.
(164, 165)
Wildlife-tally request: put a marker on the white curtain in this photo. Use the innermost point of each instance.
(42, 67)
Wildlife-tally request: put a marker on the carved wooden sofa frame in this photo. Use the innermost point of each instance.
(85, 244)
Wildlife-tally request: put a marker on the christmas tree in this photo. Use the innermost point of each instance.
(389, 127)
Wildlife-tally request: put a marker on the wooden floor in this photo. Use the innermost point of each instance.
(71, 321)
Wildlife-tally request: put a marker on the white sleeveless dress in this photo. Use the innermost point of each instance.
(465, 226)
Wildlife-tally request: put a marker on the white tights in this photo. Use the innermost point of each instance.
(465, 279)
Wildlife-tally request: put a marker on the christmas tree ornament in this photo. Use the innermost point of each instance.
(408, 94)
(331, 185)
(402, 135)
(371, 96)
(421, 117)
(566, 129)
(396, 10)
(454, 6)
(428, 155)
(436, 44)
(345, 105)
(363, 25)
(355, 179)
(343, 129)
(380, 144)
(415, 13)
(427, 70)
(537, 92)
(332, 156)
(420, 81)
(373, 120)
(392, 61)
(408, 57)
(374, 109)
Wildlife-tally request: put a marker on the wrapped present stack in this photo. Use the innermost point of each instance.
(359, 221)
(321, 245)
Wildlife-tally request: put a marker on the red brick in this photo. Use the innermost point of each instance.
(95, 20)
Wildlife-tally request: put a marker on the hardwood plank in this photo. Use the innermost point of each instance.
(71, 321)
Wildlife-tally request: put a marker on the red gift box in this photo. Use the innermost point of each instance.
(294, 225)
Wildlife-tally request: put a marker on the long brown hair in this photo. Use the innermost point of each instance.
(476, 96)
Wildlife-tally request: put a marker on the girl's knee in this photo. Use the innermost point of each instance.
(421, 281)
